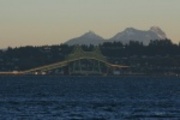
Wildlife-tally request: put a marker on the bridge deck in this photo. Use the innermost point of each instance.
(64, 63)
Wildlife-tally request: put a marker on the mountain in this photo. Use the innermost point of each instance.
(86, 39)
(130, 34)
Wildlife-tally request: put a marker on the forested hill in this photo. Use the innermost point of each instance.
(157, 56)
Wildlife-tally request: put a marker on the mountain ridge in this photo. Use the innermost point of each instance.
(125, 36)
(86, 39)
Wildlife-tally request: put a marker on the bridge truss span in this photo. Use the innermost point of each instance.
(79, 62)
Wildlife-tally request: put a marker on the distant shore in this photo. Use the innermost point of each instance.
(15, 73)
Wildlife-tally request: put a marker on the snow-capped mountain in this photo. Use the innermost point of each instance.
(86, 39)
(132, 34)
(129, 34)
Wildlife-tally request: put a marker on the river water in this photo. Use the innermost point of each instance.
(89, 98)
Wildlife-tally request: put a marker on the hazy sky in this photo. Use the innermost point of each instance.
(47, 22)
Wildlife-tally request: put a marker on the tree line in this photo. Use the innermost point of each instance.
(156, 53)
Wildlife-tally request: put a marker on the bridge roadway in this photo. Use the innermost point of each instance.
(11, 73)
(59, 65)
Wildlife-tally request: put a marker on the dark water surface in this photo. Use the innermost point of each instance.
(89, 98)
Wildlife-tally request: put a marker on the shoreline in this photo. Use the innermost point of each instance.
(20, 74)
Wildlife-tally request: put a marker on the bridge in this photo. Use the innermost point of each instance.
(79, 62)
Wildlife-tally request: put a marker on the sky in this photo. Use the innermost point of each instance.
(49, 22)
